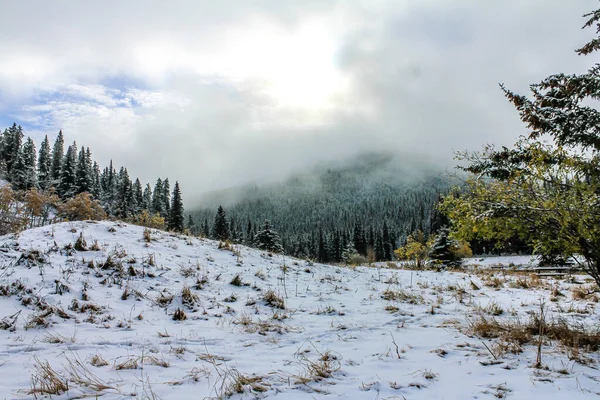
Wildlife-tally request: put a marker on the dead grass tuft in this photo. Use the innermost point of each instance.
(237, 280)
(179, 315)
(402, 296)
(45, 380)
(273, 300)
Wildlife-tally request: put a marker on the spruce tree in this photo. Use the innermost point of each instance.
(322, 253)
(220, 227)
(44, 165)
(23, 173)
(157, 198)
(442, 249)
(57, 158)
(268, 239)
(138, 196)
(96, 183)
(83, 179)
(387, 243)
(205, 228)
(67, 186)
(191, 225)
(166, 199)
(12, 146)
(176, 218)
(147, 198)
(124, 200)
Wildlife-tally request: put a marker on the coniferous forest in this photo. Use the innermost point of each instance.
(365, 208)
(72, 185)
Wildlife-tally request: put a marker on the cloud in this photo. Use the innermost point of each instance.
(215, 94)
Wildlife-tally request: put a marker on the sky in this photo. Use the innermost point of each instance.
(217, 94)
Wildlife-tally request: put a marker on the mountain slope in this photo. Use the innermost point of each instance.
(102, 318)
(371, 190)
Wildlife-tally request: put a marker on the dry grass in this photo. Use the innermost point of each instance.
(45, 380)
(402, 296)
(237, 280)
(147, 235)
(188, 298)
(273, 300)
(323, 367)
(512, 335)
(179, 315)
(585, 293)
(494, 282)
(262, 327)
(528, 282)
(130, 363)
(98, 361)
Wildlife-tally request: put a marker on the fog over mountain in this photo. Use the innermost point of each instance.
(215, 95)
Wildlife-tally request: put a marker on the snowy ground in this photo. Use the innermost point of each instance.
(103, 322)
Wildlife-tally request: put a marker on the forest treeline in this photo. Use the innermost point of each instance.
(368, 207)
(54, 182)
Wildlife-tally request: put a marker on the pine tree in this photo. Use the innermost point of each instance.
(176, 218)
(442, 249)
(157, 198)
(67, 186)
(23, 172)
(44, 165)
(124, 200)
(83, 176)
(191, 225)
(322, 253)
(249, 235)
(220, 227)
(138, 197)
(147, 198)
(379, 249)
(96, 183)
(166, 199)
(268, 239)
(349, 252)
(205, 228)
(11, 146)
(57, 158)
(360, 242)
(109, 184)
(387, 243)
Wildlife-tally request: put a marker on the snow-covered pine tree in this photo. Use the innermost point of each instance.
(205, 228)
(138, 196)
(57, 158)
(442, 249)
(83, 175)
(44, 165)
(67, 187)
(268, 239)
(176, 218)
(157, 198)
(349, 252)
(12, 141)
(220, 226)
(23, 173)
(147, 198)
(124, 198)
(322, 249)
(191, 224)
(166, 199)
(96, 182)
(387, 243)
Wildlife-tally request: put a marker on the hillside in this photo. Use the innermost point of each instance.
(101, 322)
(371, 190)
